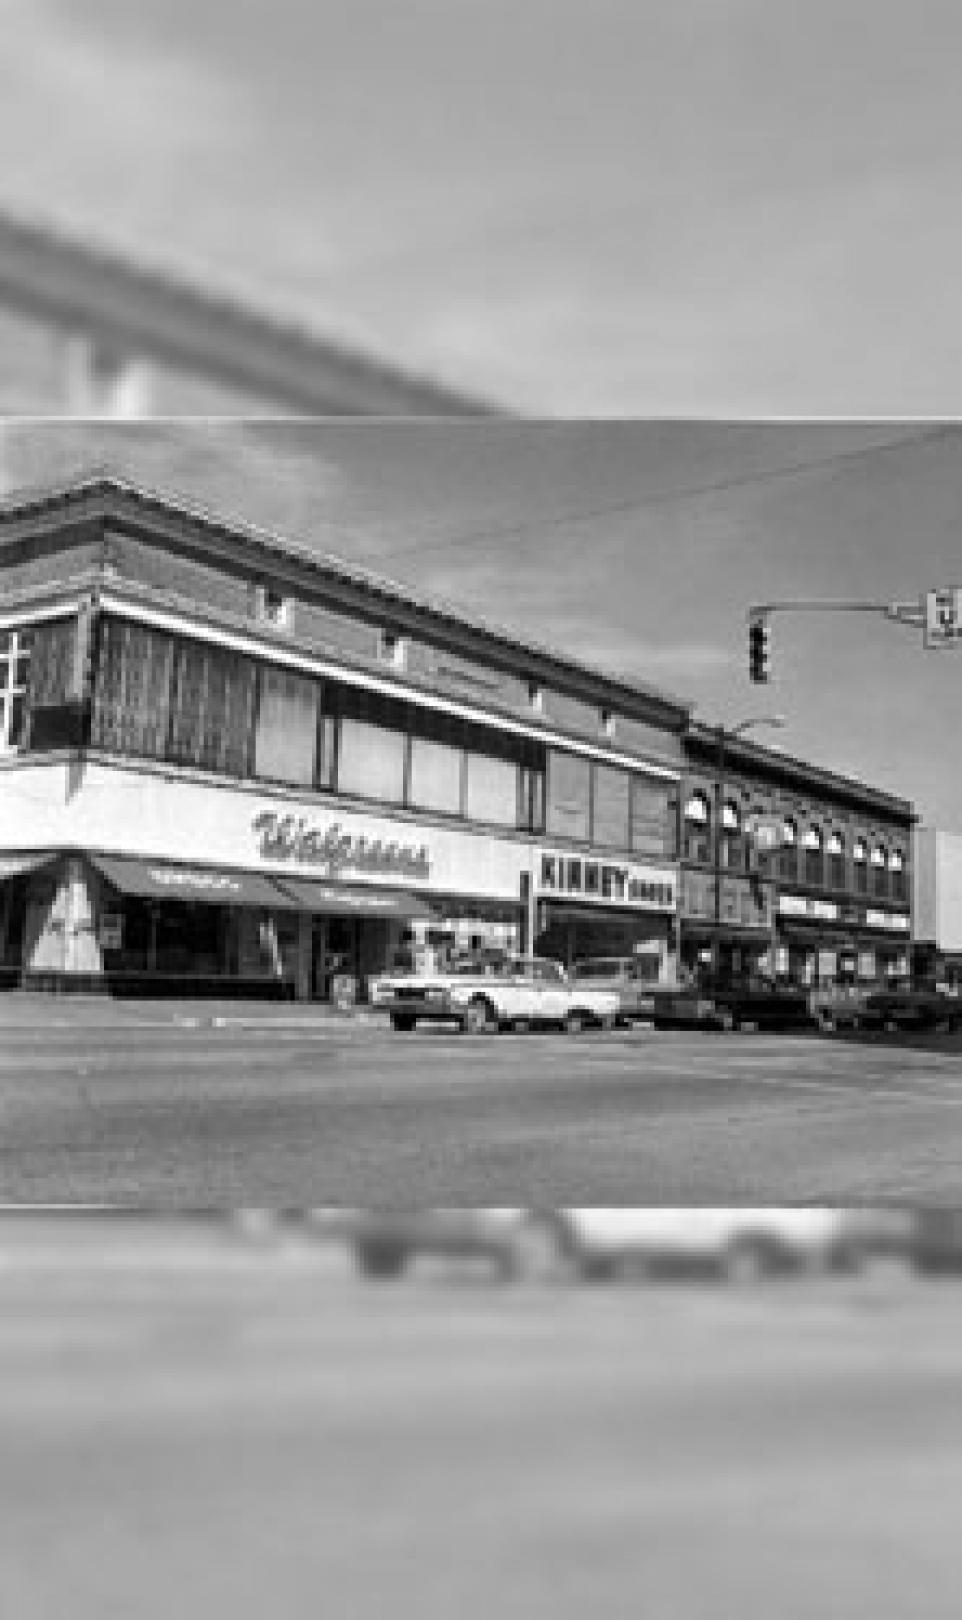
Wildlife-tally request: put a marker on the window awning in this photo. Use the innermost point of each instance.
(352, 900)
(161, 880)
(12, 866)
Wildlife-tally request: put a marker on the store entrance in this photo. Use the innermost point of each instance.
(13, 915)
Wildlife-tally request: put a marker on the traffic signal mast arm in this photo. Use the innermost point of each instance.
(904, 612)
(938, 615)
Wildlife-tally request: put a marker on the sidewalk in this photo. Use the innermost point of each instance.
(22, 1009)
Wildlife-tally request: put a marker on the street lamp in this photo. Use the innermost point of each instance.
(776, 721)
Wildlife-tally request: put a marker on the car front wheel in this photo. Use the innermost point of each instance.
(539, 1251)
(574, 1022)
(479, 1018)
(402, 1021)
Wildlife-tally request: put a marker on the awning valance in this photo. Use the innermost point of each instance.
(161, 880)
(352, 900)
(12, 866)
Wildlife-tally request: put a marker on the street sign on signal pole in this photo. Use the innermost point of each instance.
(943, 617)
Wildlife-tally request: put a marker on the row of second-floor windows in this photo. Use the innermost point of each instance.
(182, 701)
(810, 858)
(15, 649)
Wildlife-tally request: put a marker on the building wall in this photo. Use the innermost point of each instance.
(938, 889)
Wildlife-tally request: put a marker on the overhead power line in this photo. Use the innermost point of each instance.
(509, 532)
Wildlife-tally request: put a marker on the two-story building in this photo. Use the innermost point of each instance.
(830, 902)
(230, 761)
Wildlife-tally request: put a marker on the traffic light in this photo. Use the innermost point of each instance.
(759, 650)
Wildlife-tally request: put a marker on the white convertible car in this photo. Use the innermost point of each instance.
(482, 996)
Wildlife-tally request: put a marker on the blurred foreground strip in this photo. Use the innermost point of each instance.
(235, 1439)
(737, 1245)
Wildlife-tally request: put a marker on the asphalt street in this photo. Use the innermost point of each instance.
(241, 1436)
(179, 1107)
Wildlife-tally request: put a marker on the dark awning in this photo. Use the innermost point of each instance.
(12, 866)
(353, 900)
(214, 886)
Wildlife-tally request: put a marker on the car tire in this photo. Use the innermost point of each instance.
(746, 1262)
(381, 1261)
(521, 1026)
(727, 1021)
(574, 1022)
(609, 1021)
(541, 1250)
(479, 1018)
(403, 1022)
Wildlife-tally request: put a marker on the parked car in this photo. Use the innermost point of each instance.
(760, 1002)
(738, 1244)
(908, 1009)
(628, 977)
(483, 995)
(937, 1240)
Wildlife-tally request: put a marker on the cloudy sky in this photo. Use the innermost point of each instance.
(573, 206)
(636, 546)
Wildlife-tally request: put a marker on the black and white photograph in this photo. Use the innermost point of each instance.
(480, 818)
(508, 810)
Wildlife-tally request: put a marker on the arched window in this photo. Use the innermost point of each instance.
(836, 860)
(698, 828)
(860, 865)
(814, 864)
(732, 842)
(788, 854)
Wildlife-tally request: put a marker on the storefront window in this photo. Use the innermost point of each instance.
(435, 777)
(492, 790)
(569, 789)
(611, 805)
(371, 761)
(285, 741)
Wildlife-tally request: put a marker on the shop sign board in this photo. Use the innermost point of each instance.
(895, 922)
(801, 905)
(590, 881)
(334, 850)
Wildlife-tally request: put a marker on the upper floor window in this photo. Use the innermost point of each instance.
(897, 874)
(732, 843)
(860, 866)
(879, 864)
(814, 862)
(698, 828)
(836, 860)
(15, 648)
(788, 853)
(393, 649)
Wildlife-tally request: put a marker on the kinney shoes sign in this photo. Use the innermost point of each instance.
(334, 850)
